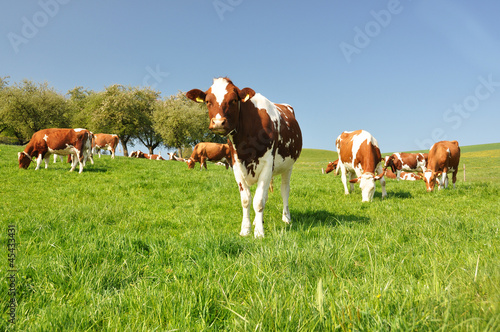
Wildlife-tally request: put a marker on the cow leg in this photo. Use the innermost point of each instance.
(285, 192)
(344, 180)
(259, 203)
(398, 174)
(445, 180)
(38, 161)
(74, 160)
(246, 198)
(47, 161)
(351, 176)
(454, 177)
(382, 184)
(112, 153)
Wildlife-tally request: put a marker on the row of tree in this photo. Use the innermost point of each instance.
(132, 113)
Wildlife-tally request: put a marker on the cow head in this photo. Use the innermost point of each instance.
(394, 164)
(190, 162)
(367, 185)
(223, 101)
(24, 159)
(332, 165)
(430, 179)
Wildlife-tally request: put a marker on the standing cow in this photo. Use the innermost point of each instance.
(266, 139)
(105, 142)
(210, 151)
(359, 155)
(444, 157)
(59, 141)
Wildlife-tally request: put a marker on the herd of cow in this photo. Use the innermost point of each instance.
(264, 140)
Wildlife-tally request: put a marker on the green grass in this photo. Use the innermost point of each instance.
(139, 245)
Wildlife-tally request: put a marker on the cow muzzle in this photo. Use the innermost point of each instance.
(218, 126)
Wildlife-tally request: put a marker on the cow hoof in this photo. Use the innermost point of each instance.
(286, 219)
(258, 234)
(245, 232)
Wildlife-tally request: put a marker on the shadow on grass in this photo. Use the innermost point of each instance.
(306, 219)
(399, 194)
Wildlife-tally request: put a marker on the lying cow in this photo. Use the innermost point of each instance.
(105, 142)
(173, 156)
(43, 143)
(444, 157)
(211, 152)
(140, 154)
(410, 162)
(359, 155)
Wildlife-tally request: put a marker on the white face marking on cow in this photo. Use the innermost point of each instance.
(367, 185)
(218, 117)
(219, 89)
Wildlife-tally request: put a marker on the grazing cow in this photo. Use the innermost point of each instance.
(212, 152)
(266, 140)
(412, 162)
(105, 142)
(359, 155)
(444, 157)
(332, 166)
(59, 141)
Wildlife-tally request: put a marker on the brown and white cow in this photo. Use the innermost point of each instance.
(105, 142)
(212, 152)
(173, 156)
(140, 154)
(332, 166)
(359, 155)
(409, 176)
(409, 162)
(59, 141)
(266, 141)
(444, 157)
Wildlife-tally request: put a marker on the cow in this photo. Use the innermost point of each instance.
(266, 140)
(212, 152)
(173, 156)
(59, 141)
(332, 166)
(140, 154)
(410, 162)
(444, 157)
(153, 156)
(359, 155)
(409, 176)
(105, 142)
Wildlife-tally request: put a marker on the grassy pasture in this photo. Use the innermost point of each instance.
(140, 245)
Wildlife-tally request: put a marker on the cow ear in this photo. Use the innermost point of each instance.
(246, 94)
(196, 95)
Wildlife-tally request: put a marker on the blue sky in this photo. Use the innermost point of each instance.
(409, 72)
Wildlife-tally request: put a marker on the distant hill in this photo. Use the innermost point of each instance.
(318, 155)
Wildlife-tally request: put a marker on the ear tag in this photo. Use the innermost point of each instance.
(246, 98)
(199, 100)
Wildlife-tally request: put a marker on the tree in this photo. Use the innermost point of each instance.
(29, 107)
(182, 123)
(148, 99)
(80, 111)
(122, 111)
